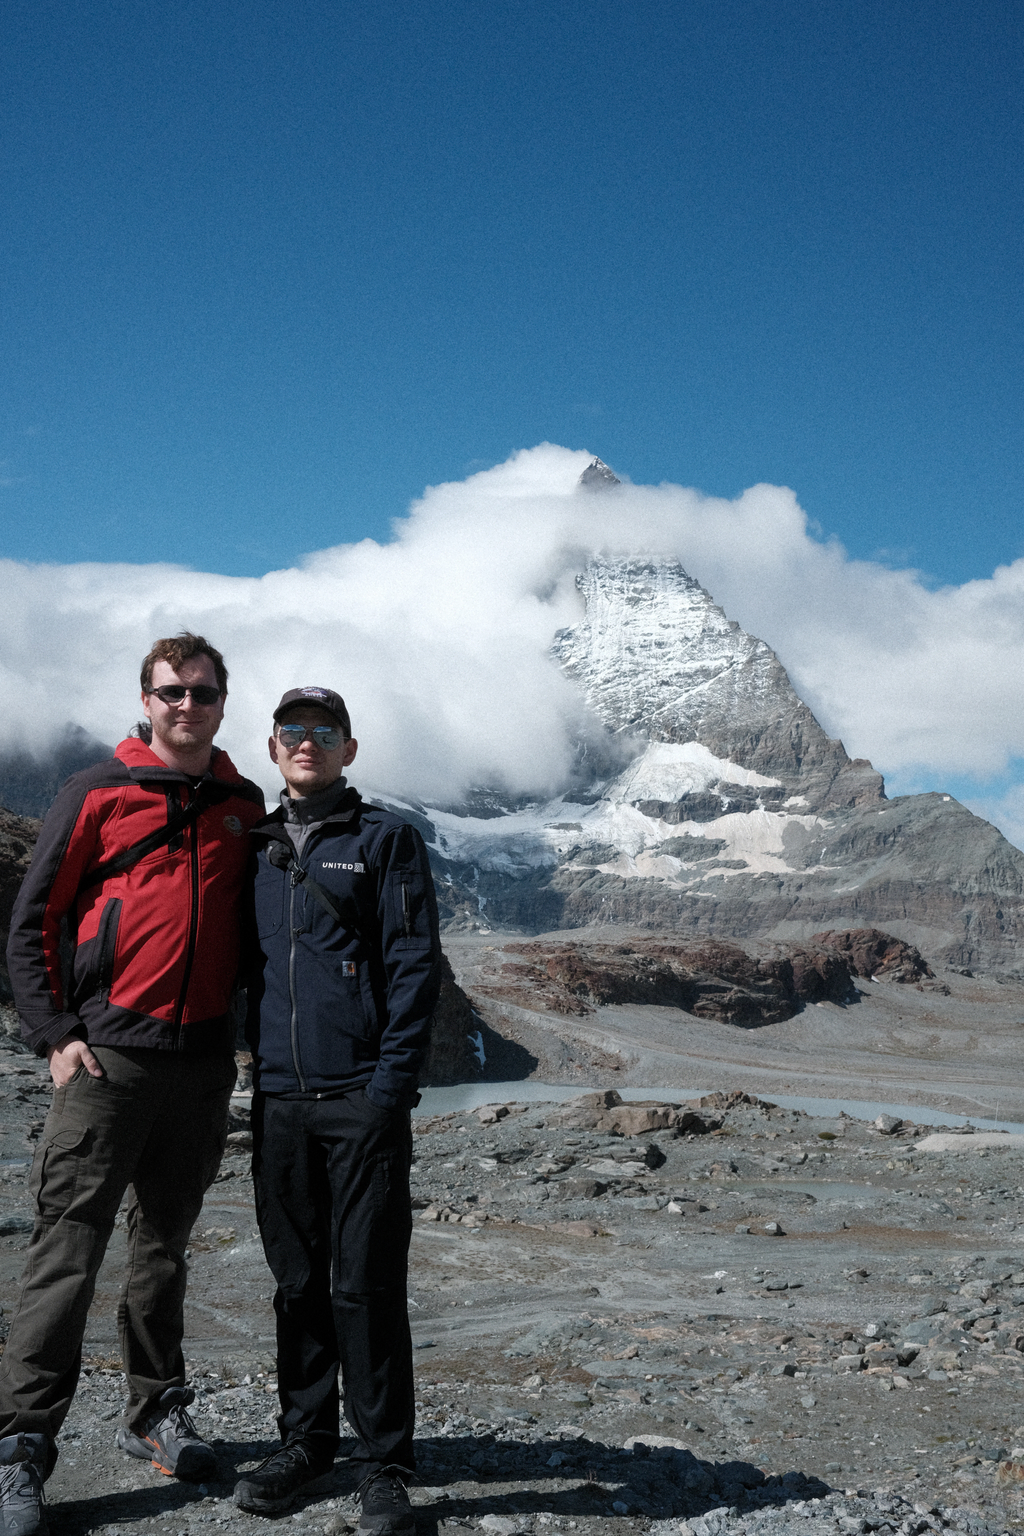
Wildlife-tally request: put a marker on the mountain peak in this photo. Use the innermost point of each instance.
(598, 477)
(655, 656)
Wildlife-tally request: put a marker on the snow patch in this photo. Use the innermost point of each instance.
(668, 770)
(561, 830)
(756, 837)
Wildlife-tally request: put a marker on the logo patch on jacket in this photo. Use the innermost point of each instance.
(348, 967)
(233, 825)
(359, 869)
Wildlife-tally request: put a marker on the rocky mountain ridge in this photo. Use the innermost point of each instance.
(654, 655)
(29, 784)
(735, 817)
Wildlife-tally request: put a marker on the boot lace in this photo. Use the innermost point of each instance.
(386, 1475)
(10, 1477)
(182, 1422)
(294, 1452)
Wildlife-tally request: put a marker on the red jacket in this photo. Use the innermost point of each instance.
(155, 948)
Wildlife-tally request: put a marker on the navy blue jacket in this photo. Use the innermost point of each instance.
(336, 1005)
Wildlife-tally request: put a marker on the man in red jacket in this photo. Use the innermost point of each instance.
(141, 862)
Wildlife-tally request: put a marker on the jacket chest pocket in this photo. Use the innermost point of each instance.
(94, 959)
(272, 892)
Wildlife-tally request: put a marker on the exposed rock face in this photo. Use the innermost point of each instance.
(451, 1058)
(876, 955)
(816, 974)
(923, 867)
(598, 477)
(710, 979)
(656, 656)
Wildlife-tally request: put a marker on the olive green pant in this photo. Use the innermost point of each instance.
(154, 1126)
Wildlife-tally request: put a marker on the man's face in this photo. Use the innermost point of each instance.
(188, 726)
(310, 767)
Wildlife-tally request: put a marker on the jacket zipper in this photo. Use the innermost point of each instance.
(177, 842)
(108, 944)
(292, 934)
(193, 925)
(406, 918)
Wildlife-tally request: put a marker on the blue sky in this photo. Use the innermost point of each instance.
(270, 270)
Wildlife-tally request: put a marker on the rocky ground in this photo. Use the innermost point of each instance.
(709, 1320)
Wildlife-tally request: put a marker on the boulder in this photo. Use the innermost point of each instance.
(876, 955)
(605, 1111)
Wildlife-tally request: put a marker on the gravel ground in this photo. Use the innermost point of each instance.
(780, 1324)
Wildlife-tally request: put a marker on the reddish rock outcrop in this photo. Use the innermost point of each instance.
(708, 978)
(869, 952)
(818, 975)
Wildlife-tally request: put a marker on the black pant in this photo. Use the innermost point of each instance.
(332, 1199)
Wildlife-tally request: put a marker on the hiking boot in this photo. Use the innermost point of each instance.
(170, 1440)
(23, 1461)
(271, 1487)
(386, 1510)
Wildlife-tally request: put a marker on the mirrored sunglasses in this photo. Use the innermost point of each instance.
(174, 693)
(326, 736)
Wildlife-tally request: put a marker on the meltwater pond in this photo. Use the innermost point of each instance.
(442, 1101)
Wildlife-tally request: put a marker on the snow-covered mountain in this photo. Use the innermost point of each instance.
(656, 656)
(730, 813)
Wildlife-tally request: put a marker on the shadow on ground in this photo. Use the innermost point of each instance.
(506, 1060)
(469, 1477)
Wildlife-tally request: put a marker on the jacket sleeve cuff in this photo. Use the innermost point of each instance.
(390, 1097)
(41, 1037)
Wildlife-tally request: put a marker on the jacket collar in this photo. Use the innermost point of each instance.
(144, 765)
(272, 826)
(316, 807)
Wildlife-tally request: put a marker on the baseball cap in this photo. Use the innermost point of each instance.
(324, 698)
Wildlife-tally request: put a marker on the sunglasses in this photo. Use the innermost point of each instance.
(292, 736)
(174, 693)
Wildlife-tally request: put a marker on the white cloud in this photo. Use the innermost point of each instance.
(1005, 811)
(439, 639)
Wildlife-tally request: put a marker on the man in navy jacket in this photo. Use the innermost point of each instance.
(339, 1025)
